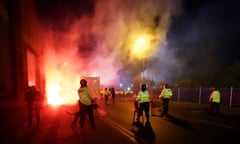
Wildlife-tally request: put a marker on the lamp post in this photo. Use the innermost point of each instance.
(140, 49)
(143, 67)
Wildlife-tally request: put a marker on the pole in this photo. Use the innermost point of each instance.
(143, 68)
(200, 95)
(231, 93)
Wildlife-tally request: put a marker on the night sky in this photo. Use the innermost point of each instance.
(211, 23)
(205, 37)
(202, 35)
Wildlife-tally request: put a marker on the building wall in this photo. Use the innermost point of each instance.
(21, 49)
(7, 87)
(31, 35)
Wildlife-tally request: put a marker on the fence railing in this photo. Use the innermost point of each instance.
(229, 96)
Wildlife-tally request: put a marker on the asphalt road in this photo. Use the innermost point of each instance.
(188, 123)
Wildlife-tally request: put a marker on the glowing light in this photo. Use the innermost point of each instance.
(31, 83)
(53, 92)
(141, 46)
(140, 41)
(60, 88)
(65, 64)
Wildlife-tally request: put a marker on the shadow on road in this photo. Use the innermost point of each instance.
(180, 122)
(144, 133)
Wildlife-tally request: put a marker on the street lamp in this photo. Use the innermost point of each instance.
(141, 44)
(140, 50)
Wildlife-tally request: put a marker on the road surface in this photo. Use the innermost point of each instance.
(187, 123)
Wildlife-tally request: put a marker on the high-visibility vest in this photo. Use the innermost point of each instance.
(143, 96)
(85, 95)
(166, 93)
(216, 96)
(107, 92)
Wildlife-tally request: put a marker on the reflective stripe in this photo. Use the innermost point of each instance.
(143, 96)
(85, 96)
(107, 92)
(216, 97)
(166, 93)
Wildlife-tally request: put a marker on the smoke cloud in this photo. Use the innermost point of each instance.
(97, 37)
(163, 40)
(204, 39)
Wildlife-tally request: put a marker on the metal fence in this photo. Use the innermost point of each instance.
(229, 96)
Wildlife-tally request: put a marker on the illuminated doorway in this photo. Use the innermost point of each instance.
(31, 68)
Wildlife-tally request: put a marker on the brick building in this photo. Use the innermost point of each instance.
(21, 56)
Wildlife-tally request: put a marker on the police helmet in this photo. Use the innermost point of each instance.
(83, 83)
(143, 86)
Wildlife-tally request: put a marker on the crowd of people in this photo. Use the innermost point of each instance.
(109, 93)
(144, 101)
(87, 102)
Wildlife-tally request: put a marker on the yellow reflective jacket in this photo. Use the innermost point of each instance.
(107, 92)
(85, 95)
(166, 93)
(143, 96)
(215, 96)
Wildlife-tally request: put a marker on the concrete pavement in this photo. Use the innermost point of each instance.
(187, 123)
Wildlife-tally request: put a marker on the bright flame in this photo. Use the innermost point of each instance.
(141, 46)
(102, 39)
(61, 88)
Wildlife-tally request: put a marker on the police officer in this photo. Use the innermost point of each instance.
(143, 98)
(106, 94)
(215, 99)
(165, 95)
(113, 94)
(33, 99)
(85, 102)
